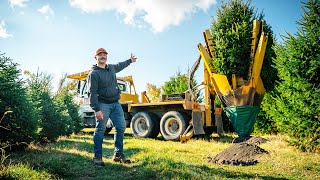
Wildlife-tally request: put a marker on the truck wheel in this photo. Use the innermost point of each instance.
(89, 122)
(144, 125)
(172, 125)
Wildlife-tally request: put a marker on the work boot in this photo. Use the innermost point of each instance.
(98, 161)
(119, 157)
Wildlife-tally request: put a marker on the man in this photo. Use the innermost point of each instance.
(104, 96)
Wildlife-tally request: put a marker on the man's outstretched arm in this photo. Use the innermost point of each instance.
(120, 66)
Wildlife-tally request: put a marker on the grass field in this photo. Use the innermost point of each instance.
(70, 158)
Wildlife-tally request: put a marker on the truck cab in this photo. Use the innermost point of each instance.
(128, 96)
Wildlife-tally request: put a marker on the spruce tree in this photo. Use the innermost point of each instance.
(232, 31)
(52, 120)
(296, 101)
(68, 108)
(21, 125)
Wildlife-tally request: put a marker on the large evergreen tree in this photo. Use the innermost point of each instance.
(296, 101)
(231, 33)
(21, 125)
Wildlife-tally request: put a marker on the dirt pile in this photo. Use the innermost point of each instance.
(256, 140)
(251, 140)
(242, 153)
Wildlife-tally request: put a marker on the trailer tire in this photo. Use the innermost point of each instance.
(172, 125)
(144, 125)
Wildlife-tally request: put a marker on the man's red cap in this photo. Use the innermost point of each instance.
(101, 50)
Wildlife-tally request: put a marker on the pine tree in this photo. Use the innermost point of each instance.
(21, 125)
(51, 120)
(296, 103)
(68, 108)
(231, 33)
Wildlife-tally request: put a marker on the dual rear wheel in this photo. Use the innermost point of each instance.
(145, 125)
(173, 124)
(148, 125)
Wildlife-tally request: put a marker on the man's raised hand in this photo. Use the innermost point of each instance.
(133, 58)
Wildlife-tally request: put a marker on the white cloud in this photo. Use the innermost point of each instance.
(46, 10)
(160, 14)
(19, 3)
(3, 32)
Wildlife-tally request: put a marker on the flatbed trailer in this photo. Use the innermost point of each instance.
(177, 117)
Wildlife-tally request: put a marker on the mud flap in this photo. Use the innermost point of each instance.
(197, 123)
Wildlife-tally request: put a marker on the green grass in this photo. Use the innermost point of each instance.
(70, 158)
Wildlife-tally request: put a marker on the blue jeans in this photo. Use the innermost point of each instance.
(115, 113)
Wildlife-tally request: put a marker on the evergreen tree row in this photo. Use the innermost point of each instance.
(29, 110)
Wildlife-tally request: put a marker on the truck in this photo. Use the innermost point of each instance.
(180, 116)
(128, 96)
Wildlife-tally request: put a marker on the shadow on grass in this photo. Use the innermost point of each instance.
(63, 160)
(170, 169)
(73, 166)
(111, 134)
(58, 161)
(215, 138)
(223, 139)
(91, 131)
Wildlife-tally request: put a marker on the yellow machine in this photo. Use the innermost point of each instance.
(240, 98)
(128, 96)
(180, 116)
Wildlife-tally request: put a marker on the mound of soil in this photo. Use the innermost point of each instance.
(251, 140)
(243, 154)
(256, 140)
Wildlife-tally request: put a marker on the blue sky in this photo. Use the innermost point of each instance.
(61, 36)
